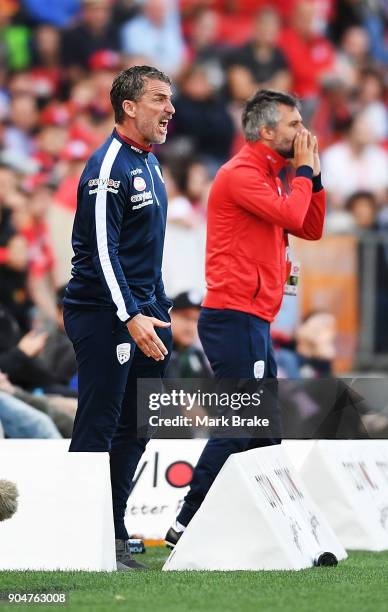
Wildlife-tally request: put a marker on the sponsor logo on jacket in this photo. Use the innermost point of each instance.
(141, 197)
(103, 184)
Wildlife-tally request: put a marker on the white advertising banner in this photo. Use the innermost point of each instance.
(64, 519)
(161, 482)
(348, 479)
(257, 515)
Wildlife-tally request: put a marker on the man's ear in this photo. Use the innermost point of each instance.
(129, 108)
(266, 133)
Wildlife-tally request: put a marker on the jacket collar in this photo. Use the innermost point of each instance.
(135, 146)
(269, 158)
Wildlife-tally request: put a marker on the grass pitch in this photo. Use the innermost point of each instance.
(359, 584)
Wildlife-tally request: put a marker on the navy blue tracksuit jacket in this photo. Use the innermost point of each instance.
(118, 238)
(119, 228)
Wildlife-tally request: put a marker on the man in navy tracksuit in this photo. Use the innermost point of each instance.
(116, 311)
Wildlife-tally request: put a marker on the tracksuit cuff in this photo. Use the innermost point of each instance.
(317, 183)
(132, 315)
(305, 171)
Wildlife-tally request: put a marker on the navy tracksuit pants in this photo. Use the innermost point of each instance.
(107, 400)
(234, 342)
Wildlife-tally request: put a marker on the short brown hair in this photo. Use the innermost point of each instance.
(130, 85)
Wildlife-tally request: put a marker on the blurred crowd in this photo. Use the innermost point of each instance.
(57, 63)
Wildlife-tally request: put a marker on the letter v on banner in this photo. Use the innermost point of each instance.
(279, 526)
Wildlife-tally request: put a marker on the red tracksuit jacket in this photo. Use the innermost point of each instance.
(249, 218)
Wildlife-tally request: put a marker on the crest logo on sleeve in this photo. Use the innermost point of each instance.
(258, 369)
(123, 352)
(139, 183)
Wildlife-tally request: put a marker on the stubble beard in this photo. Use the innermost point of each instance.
(286, 153)
(152, 136)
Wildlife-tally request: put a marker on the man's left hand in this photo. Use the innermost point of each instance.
(317, 163)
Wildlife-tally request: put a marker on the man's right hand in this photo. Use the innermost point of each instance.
(143, 333)
(304, 149)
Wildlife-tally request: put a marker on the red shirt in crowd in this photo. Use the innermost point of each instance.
(308, 60)
(40, 253)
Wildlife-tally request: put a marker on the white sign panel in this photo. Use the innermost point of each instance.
(257, 516)
(64, 520)
(348, 479)
(161, 482)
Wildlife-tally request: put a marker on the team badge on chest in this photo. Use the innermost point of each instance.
(139, 183)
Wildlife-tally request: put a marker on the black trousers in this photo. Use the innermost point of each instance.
(109, 364)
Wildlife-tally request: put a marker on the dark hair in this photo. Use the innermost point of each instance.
(360, 195)
(262, 109)
(130, 85)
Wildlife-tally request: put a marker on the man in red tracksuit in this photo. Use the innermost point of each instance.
(247, 259)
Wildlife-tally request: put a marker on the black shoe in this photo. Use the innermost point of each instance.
(172, 537)
(124, 558)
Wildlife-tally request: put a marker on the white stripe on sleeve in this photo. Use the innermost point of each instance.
(101, 232)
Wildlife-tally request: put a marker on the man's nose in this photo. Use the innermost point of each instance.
(169, 108)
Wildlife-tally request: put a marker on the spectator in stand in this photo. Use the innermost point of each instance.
(240, 86)
(363, 207)
(48, 405)
(93, 32)
(86, 121)
(261, 56)
(355, 163)
(315, 344)
(347, 13)
(187, 358)
(333, 113)
(104, 66)
(13, 255)
(19, 420)
(14, 38)
(180, 210)
(187, 182)
(46, 60)
(21, 359)
(59, 350)
(50, 141)
(30, 221)
(203, 117)
(310, 56)
(352, 56)
(204, 46)
(156, 34)
(19, 354)
(19, 136)
(371, 16)
(371, 102)
(60, 216)
(198, 185)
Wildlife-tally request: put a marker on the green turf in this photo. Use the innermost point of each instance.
(358, 584)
